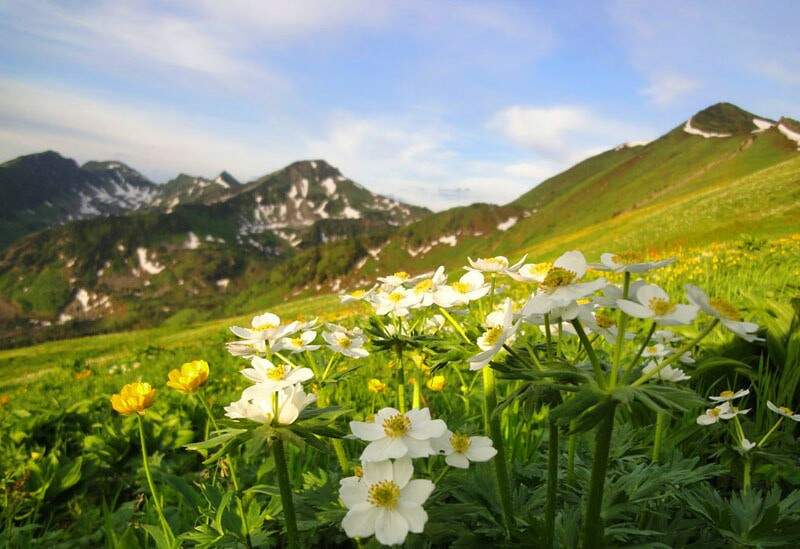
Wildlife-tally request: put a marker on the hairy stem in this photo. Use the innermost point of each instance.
(661, 424)
(156, 501)
(552, 484)
(593, 531)
(494, 431)
(282, 472)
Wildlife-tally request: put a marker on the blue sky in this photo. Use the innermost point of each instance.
(436, 102)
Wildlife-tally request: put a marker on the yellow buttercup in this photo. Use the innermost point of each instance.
(134, 397)
(190, 377)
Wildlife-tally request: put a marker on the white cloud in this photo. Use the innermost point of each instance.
(534, 171)
(666, 88)
(562, 133)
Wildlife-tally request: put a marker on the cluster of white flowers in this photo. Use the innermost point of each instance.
(383, 500)
(724, 409)
(277, 394)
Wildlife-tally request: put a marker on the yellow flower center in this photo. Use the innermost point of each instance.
(265, 326)
(727, 394)
(297, 341)
(498, 261)
(725, 309)
(661, 307)
(277, 373)
(652, 349)
(604, 320)
(396, 297)
(385, 493)
(459, 442)
(461, 287)
(343, 341)
(786, 410)
(396, 426)
(358, 294)
(558, 277)
(358, 471)
(423, 286)
(375, 386)
(714, 412)
(627, 258)
(402, 275)
(492, 335)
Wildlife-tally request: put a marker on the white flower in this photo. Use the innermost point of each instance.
(460, 449)
(397, 279)
(654, 303)
(783, 411)
(665, 337)
(493, 339)
(424, 290)
(530, 272)
(667, 373)
(298, 344)
(561, 286)
(631, 263)
(278, 377)
(612, 293)
(265, 330)
(713, 415)
(349, 343)
(725, 312)
(358, 295)
(392, 435)
(385, 502)
(687, 358)
(469, 287)
(601, 323)
(747, 445)
(258, 404)
(396, 301)
(488, 264)
(246, 348)
(726, 396)
(435, 323)
(656, 350)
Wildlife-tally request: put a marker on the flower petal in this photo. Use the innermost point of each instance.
(415, 515)
(367, 431)
(359, 522)
(417, 491)
(391, 527)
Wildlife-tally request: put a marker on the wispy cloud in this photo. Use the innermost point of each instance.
(666, 88)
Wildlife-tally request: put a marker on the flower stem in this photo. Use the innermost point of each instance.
(676, 355)
(494, 431)
(572, 443)
(661, 423)
(746, 476)
(622, 320)
(156, 501)
(598, 370)
(455, 324)
(772, 430)
(282, 472)
(552, 484)
(547, 336)
(401, 382)
(593, 531)
(415, 394)
(643, 347)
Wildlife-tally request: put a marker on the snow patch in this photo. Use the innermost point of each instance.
(507, 224)
(145, 264)
(223, 283)
(630, 145)
(329, 185)
(192, 243)
(761, 125)
(361, 263)
(688, 128)
(790, 134)
(221, 182)
(351, 213)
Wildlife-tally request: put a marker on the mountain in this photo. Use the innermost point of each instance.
(188, 189)
(45, 189)
(307, 229)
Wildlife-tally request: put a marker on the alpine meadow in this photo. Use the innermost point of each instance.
(359, 349)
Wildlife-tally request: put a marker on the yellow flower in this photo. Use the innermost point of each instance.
(436, 383)
(35, 455)
(190, 377)
(83, 374)
(4, 400)
(134, 397)
(376, 386)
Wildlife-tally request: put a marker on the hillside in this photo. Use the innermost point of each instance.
(306, 229)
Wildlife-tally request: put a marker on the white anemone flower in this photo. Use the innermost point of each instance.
(393, 435)
(258, 404)
(357, 295)
(657, 350)
(747, 445)
(666, 337)
(265, 330)
(396, 302)
(611, 293)
(349, 343)
(459, 450)
(399, 279)
(470, 287)
(713, 415)
(493, 339)
(424, 290)
(652, 302)
(628, 262)
(561, 286)
(435, 323)
(385, 502)
(488, 264)
(667, 373)
(600, 322)
(783, 411)
(275, 376)
(687, 358)
(530, 272)
(727, 396)
(298, 344)
(725, 312)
